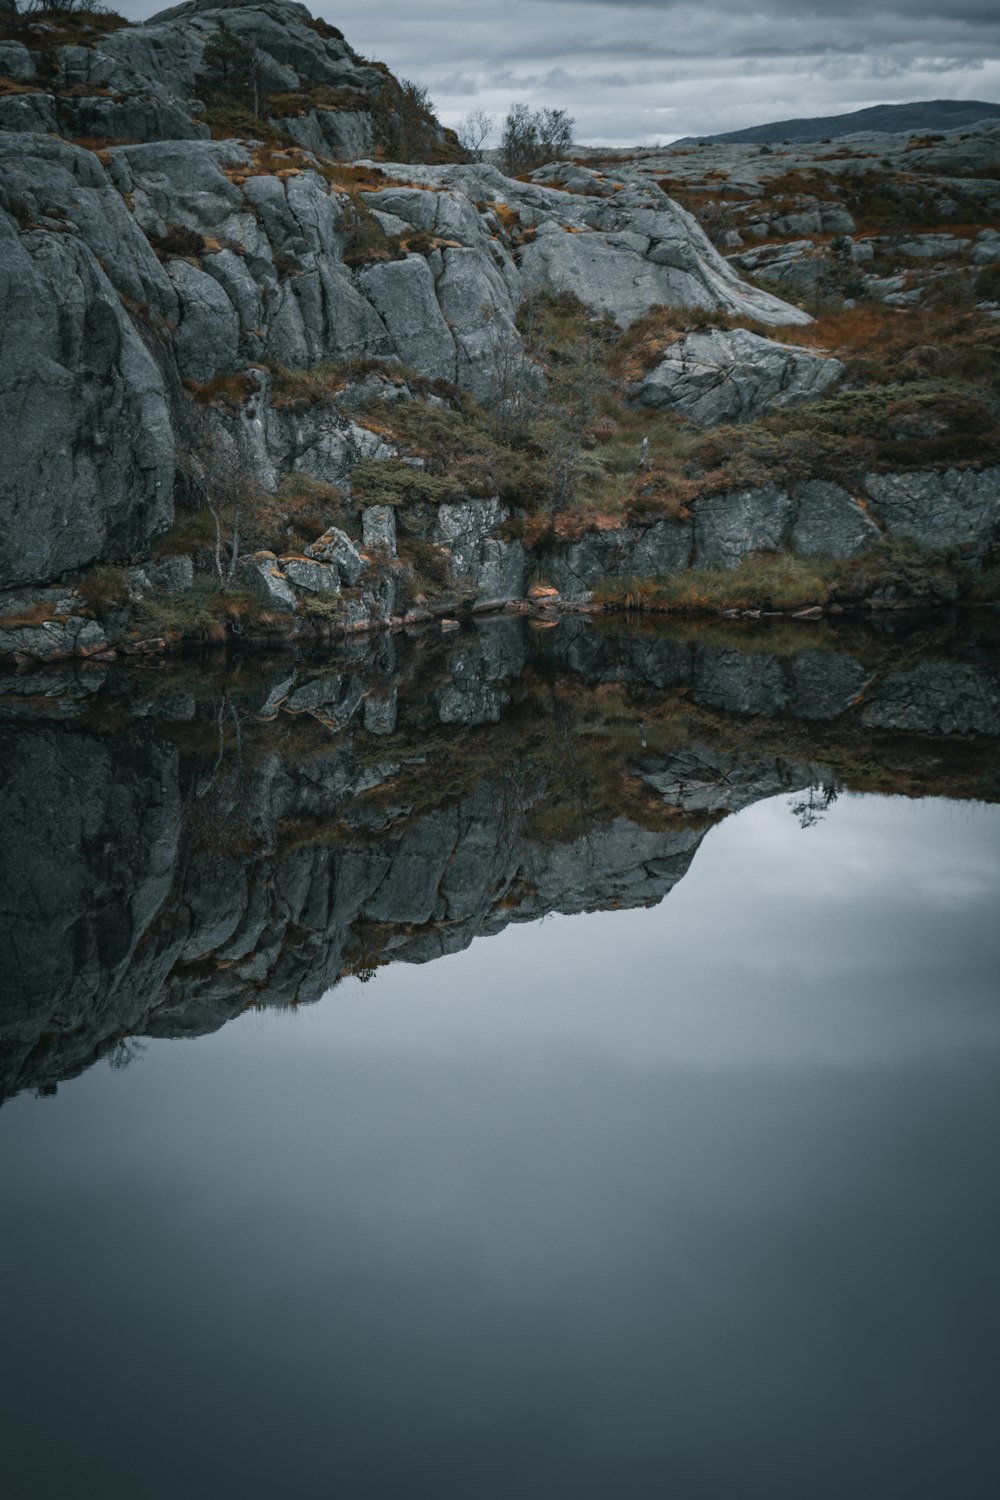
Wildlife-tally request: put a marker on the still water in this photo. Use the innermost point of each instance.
(641, 1139)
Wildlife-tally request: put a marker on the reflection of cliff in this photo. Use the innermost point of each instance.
(180, 845)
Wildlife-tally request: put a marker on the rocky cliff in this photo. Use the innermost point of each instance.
(92, 75)
(207, 307)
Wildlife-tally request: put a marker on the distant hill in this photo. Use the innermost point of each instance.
(927, 114)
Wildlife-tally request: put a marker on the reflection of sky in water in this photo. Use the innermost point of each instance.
(697, 1201)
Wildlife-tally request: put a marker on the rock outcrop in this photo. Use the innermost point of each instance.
(254, 271)
(814, 519)
(826, 209)
(730, 375)
(187, 317)
(183, 259)
(149, 82)
(486, 568)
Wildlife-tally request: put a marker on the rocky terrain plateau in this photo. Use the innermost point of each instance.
(276, 362)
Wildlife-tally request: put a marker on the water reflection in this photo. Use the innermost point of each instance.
(690, 1197)
(188, 841)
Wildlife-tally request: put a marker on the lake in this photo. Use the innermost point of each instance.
(531, 1060)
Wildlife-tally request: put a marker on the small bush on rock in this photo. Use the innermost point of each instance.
(406, 128)
(231, 70)
(366, 241)
(392, 482)
(104, 589)
(532, 137)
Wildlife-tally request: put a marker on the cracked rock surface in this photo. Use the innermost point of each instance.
(730, 375)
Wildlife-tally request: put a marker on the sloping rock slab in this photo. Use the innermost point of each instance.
(730, 375)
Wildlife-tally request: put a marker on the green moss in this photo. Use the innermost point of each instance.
(778, 582)
(392, 482)
(899, 570)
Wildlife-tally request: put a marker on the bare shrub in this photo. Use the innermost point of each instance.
(532, 137)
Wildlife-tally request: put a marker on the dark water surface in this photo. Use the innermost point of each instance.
(643, 1137)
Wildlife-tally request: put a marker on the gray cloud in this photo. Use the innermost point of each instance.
(644, 70)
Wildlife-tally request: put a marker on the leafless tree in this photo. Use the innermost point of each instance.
(514, 397)
(218, 478)
(474, 131)
(59, 7)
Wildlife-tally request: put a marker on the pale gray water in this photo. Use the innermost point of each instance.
(692, 1201)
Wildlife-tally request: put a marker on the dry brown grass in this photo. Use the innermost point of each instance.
(99, 145)
(315, 96)
(56, 28)
(14, 86)
(104, 589)
(26, 616)
(231, 390)
(884, 344)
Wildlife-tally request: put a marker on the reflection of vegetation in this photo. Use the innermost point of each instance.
(285, 821)
(817, 801)
(123, 1052)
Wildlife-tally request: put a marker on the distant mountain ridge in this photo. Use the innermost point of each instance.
(928, 114)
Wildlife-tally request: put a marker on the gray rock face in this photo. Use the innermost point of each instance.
(262, 573)
(814, 519)
(336, 547)
(314, 577)
(622, 267)
(170, 575)
(631, 552)
(380, 714)
(950, 508)
(53, 640)
(729, 375)
(87, 461)
(493, 566)
(378, 527)
(793, 268)
(147, 80)
(829, 522)
(932, 246)
(402, 293)
(16, 62)
(729, 526)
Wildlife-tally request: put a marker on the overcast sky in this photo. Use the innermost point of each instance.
(634, 71)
